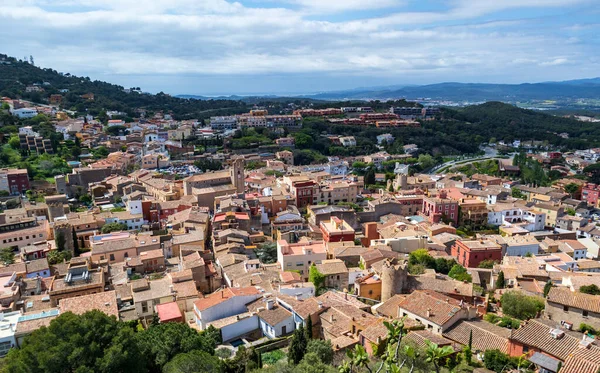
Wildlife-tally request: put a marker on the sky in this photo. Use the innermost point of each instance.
(220, 47)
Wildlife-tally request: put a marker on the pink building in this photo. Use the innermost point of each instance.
(300, 256)
(441, 208)
(590, 194)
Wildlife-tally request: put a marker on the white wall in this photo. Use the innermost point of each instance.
(276, 331)
(232, 306)
(134, 207)
(239, 328)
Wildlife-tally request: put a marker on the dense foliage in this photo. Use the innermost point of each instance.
(95, 342)
(521, 306)
(16, 76)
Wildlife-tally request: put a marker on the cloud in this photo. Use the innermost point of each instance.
(555, 62)
(217, 37)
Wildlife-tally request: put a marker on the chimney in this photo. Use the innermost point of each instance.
(330, 318)
(320, 305)
(270, 304)
(298, 296)
(428, 312)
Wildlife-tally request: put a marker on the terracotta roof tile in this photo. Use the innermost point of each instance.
(537, 334)
(486, 336)
(440, 308)
(223, 295)
(582, 301)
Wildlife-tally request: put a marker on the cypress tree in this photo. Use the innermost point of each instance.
(309, 329)
(500, 281)
(76, 250)
(297, 346)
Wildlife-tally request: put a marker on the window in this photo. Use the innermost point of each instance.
(144, 307)
(585, 313)
(566, 308)
(112, 257)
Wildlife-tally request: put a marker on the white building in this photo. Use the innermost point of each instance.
(8, 326)
(28, 131)
(348, 141)
(223, 304)
(24, 113)
(386, 137)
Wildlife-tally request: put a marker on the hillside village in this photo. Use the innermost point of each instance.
(241, 239)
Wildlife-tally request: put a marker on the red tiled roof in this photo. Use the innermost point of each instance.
(441, 308)
(168, 312)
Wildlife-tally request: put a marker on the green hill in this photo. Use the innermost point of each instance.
(16, 75)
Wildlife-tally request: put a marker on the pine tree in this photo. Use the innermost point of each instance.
(309, 329)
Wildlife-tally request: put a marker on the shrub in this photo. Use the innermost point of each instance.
(587, 328)
(521, 306)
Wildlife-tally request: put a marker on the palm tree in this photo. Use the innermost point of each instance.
(436, 354)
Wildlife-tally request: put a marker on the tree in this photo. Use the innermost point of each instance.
(521, 306)
(421, 256)
(75, 243)
(14, 142)
(309, 328)
(437, 355)
(469, 349)
(500, 280)
(547, 288)
(590, 289)
(92, 342)
(370, 176)
(7, 256)
(571, 188)
(194, 362)
(460, 273)
(498, 361)
(297, 346)
(426, 161)
(60, 241)
(570, 211)
(86, 198)
(322, 348)
(113, 227)
(311, 363)
(487, 263)
(56, 256)
(359, 357)
(316, 277)
(516, 193)
(162, 342)
(593, 171)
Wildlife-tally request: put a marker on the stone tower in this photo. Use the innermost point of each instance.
(66, 230)
(393, 279)
(237, 174)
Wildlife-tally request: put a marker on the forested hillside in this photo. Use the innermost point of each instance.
(17, 75)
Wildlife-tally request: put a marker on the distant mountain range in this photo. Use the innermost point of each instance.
(572, 89)
(452, 91)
